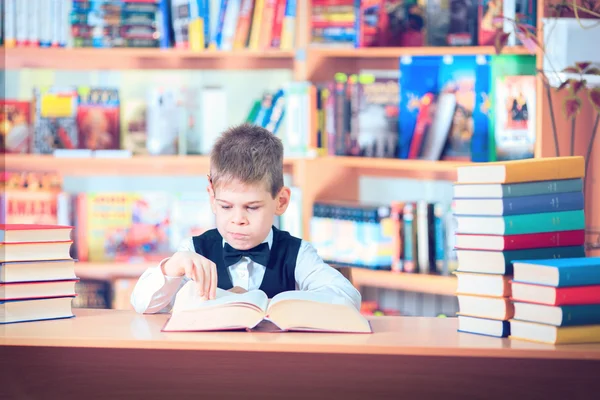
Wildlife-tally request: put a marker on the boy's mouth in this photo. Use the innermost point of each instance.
(238, 236)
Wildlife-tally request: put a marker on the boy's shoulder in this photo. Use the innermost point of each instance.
(209, 235)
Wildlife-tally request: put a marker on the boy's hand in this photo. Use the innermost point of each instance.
(197, 268)
(237, 289)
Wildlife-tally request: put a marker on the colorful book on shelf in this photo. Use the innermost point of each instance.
(518, 242)
(509, 190)
(573, 315)
(545, 203)
(555, 296)
(557, 272)
(253, 310)
(529, 170)
(550, 334)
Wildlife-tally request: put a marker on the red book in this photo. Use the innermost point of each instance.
(520, 242)
(562, 296)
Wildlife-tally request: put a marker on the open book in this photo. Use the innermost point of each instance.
(287, 311)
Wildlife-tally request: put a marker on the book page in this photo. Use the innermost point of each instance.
(188, 299)
(319, 297)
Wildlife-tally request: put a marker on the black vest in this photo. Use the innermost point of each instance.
(279, 272)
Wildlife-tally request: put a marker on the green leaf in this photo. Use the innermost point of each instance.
(571, 106)
(594, 95)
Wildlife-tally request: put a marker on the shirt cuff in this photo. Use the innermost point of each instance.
(162, 271)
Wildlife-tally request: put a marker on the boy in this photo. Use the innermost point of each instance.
(244, 251)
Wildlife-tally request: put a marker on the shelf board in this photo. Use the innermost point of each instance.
(422, 169)
(422, 283)
(136, 165)
(110, 270)
(143, 58)
(395, 52)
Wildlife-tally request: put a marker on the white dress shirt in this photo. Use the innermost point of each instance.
(155, 292)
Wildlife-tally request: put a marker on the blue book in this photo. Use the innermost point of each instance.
(561, 272)
(572, 315)
(483, 326)
(504, 190)
(545, 203)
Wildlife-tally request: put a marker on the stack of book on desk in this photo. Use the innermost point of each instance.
(506, 211)
(557, 301)
(37, 273)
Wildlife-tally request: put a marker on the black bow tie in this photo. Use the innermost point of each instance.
(258, 254)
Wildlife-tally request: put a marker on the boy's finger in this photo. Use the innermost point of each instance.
(213, 291)
(207, 280)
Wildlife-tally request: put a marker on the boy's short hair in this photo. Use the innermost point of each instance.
(250, 154)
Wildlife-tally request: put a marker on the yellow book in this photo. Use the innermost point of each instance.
(528, 170)
(256, 25)
(196, 34)
(535, 332)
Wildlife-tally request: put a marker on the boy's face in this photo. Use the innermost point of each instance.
(245, 213)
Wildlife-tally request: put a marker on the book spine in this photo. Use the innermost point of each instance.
(541, 254)
(547, 239)
(544, 222)
(288, 29)
(409, 263)
(575, 315)
(577, 295)
(242, 32)
(588, 275)
(543, 203)
(278, 24)
(539, 188)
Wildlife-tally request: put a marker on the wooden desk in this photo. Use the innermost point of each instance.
(112, 354)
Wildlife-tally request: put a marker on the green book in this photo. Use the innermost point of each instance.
(521, 224)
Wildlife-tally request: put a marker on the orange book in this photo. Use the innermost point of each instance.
(255, 30)
(266, 26)
(242, 32)
(527, 170)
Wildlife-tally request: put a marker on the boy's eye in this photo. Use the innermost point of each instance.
(225, 207)
(253, 208)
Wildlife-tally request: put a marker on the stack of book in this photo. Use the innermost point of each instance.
(505, 211)
(37, 273)
(556, 301)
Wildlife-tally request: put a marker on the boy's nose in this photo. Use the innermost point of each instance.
(239, 218)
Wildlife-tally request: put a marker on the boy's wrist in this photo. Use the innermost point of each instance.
(166, 267)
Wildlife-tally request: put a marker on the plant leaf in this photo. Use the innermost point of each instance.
(501, 40)
(592, 71)
(583, 65)
(594, 95)
(563, 85)
(576, 85)
(571, 106)
(572, 70)
(528, 41)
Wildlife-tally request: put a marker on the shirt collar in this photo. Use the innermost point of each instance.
(268, 239)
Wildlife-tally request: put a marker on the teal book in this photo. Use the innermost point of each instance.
(562, 272)
(573, 315)
(521, 224)
(498, 191)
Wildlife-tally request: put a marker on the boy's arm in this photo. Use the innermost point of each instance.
(313, 274)
(154, 292)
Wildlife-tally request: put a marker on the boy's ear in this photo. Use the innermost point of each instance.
(283, 200)
(211, 194)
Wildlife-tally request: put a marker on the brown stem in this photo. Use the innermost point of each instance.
(588, 153)
(548, 95)
(573, 135)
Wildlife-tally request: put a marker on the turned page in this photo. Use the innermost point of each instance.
(228, 311)
(313, 311)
